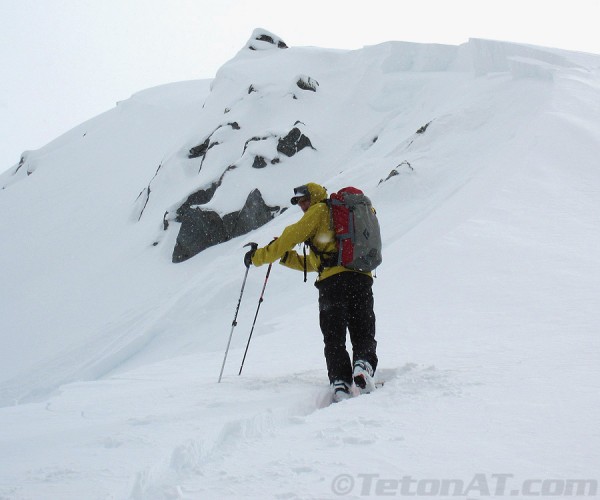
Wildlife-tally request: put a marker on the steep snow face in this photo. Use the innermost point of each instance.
(107, 193)
(481, 161)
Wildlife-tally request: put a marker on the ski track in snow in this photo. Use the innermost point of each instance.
(211, 428)
(163, 403)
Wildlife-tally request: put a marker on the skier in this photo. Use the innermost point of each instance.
(345, 296)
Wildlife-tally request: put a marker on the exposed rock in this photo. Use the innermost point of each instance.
(253, 139)
(293, 142)
(393, 173)
(420, 131)
(200, 197)
(199, 150)
(254, 214)
(202, 149)
(259, 162)
(25, 161)
(201, 229)
(423, 128)
(307, 83)
(21, 163)
(396, 172)
(264, 40)
(145, 196)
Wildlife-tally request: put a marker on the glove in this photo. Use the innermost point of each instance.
(248, 257)
(249, 254)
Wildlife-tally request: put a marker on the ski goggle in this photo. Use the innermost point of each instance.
(299, 193)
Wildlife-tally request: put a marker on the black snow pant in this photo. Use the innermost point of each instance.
(346, 302)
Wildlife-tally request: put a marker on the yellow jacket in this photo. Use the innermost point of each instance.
(315, 227)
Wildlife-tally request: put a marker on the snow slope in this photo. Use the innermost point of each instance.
(487, 305)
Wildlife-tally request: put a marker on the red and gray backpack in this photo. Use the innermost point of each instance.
(357, 233)
(356, 228)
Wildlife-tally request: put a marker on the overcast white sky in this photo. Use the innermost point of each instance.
(65, 61)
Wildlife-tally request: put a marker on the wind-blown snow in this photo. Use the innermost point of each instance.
(487, 300)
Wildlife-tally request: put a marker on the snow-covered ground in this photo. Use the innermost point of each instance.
(487, 300)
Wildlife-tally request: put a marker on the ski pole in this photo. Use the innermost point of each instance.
(260, 301)
(234, 323)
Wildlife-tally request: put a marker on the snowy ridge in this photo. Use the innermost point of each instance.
(481, 160)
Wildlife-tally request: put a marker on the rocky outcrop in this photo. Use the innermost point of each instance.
(293, 142)
(201, 228)
(307, 83)
(254, 214)
(200, 197)
(259, 162)
(201, 150)
(396, 171)
(264, 40)
(423, 128)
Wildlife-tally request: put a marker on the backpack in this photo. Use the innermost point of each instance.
(356, 228)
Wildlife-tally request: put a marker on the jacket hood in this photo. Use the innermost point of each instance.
(317, 193)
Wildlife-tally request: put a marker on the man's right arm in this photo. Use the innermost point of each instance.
(291, 236)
